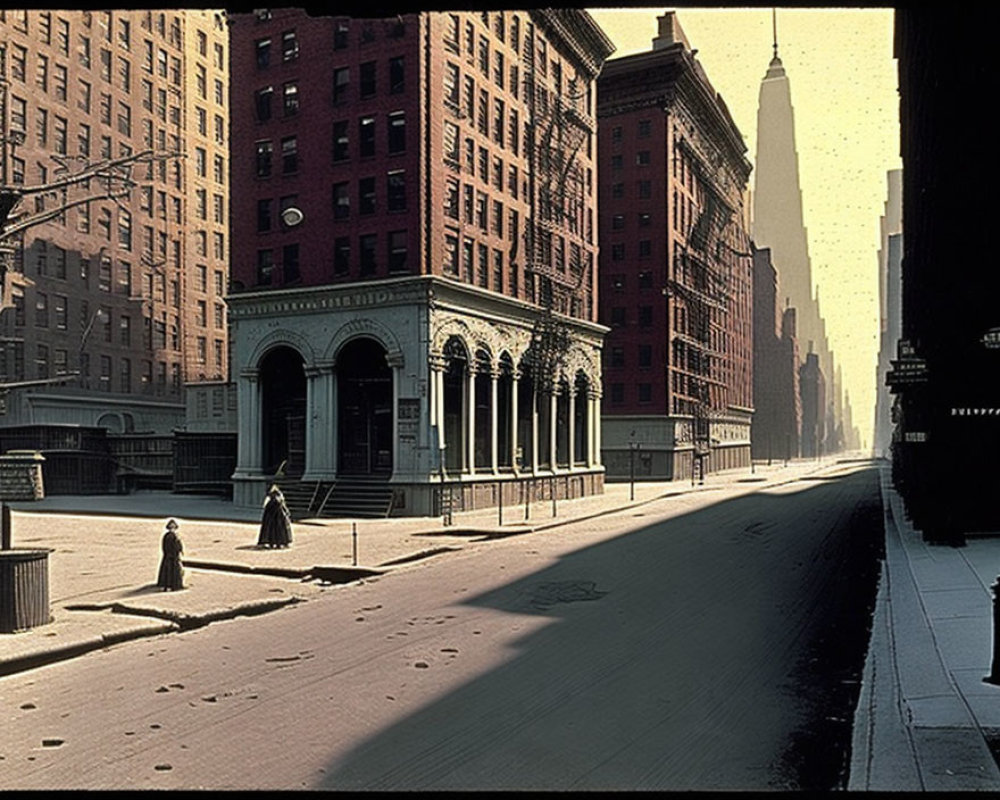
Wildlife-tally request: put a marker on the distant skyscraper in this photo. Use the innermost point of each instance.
(778, 223)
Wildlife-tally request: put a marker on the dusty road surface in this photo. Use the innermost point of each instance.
(708, 641)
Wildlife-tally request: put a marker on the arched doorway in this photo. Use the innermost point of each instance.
(283, 411)
(364, 400)
(456, 403)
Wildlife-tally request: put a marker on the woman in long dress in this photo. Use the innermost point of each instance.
(171, 575)
(276, 521)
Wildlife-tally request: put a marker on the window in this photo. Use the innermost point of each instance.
(341, 201)
(289, 155)
(264, 152)
(616, 357)
(645, 127)
(645, 220)
(366, 79)
(60, 82)
(396, 190)
(289, 46)
(42, 72)
(645, 189)
(340, 140)
(617, 393)
(617, 316)
(262, 103)
(451, 84)
(200, 165)
(291, 99)
(18, 58)
(645, 392)
(290, 263)
(618, 252)
(512, 180)
(397, 75)
(366, 138)
(340, 34)
(642, 158)
(263, 47)
(219, 167)
(397, 132)
(397, 251)
(366, 247)
(645, 248)
(341, 82)
(450, 262)
(616, 162)
(264, 215)
(645, 316)
(366, 196)
(341, 255)
(645, 356)
(483, 270)
(618, 222)
(265, 265)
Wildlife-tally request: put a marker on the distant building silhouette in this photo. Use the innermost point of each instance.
(890, 262)
(813, 391)
(777, 419)
(778, 225)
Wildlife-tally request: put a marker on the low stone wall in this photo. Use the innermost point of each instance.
(21, 475)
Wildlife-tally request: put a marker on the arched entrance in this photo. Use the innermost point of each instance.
(364, 400)
(283, 411)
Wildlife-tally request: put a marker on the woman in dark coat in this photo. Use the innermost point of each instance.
(171, 575)
(275, 522)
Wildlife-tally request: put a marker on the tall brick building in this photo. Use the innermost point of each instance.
(414, 256)
(125, 295)
(675, 267)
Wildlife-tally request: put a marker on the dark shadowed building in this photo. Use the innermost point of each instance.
(947, 433)
(812, 388)
(777, 418)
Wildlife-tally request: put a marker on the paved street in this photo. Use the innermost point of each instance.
(672, 645)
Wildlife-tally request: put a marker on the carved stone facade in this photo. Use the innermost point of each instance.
(460, 406)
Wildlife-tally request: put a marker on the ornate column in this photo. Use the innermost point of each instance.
(514, 437)
(494, 457)
(395, 363)
(553, 418)
(596, 446)
(534, 428)
(435, 403)
(313, 398)
(248, 444)
(470, 419)
(571, 419)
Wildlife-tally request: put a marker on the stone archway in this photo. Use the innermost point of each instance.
(283, 407)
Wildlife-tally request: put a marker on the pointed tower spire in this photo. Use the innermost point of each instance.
(774, 28)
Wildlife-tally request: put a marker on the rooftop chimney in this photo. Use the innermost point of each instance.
(670, 32)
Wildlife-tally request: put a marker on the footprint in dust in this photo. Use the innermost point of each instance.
(28, 706)
(163, 767)
(53, 742)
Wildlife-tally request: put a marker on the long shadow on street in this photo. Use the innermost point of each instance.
(719, 649)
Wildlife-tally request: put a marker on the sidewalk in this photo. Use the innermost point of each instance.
(924, 711)
(106, 553)
(922, 717)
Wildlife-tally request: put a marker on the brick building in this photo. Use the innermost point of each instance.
(124, 295)
(675, 267)
(414, 256)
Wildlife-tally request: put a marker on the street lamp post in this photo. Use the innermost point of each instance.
(633, 446)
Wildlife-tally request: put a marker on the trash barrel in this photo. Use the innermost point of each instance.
(24, 588)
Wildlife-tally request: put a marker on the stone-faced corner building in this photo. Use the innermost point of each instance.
(415, 256)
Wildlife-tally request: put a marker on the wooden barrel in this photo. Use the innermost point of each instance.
(24, 589)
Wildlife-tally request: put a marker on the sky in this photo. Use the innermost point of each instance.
(843, 80)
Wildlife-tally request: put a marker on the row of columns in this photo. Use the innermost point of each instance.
(592, 418)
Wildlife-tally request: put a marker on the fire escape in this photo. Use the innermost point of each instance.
(701, 284)
(555, 276)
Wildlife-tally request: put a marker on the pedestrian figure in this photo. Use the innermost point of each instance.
(171, 575)
(276, 521)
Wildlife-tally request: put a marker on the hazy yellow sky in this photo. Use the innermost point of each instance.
(843, 81)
